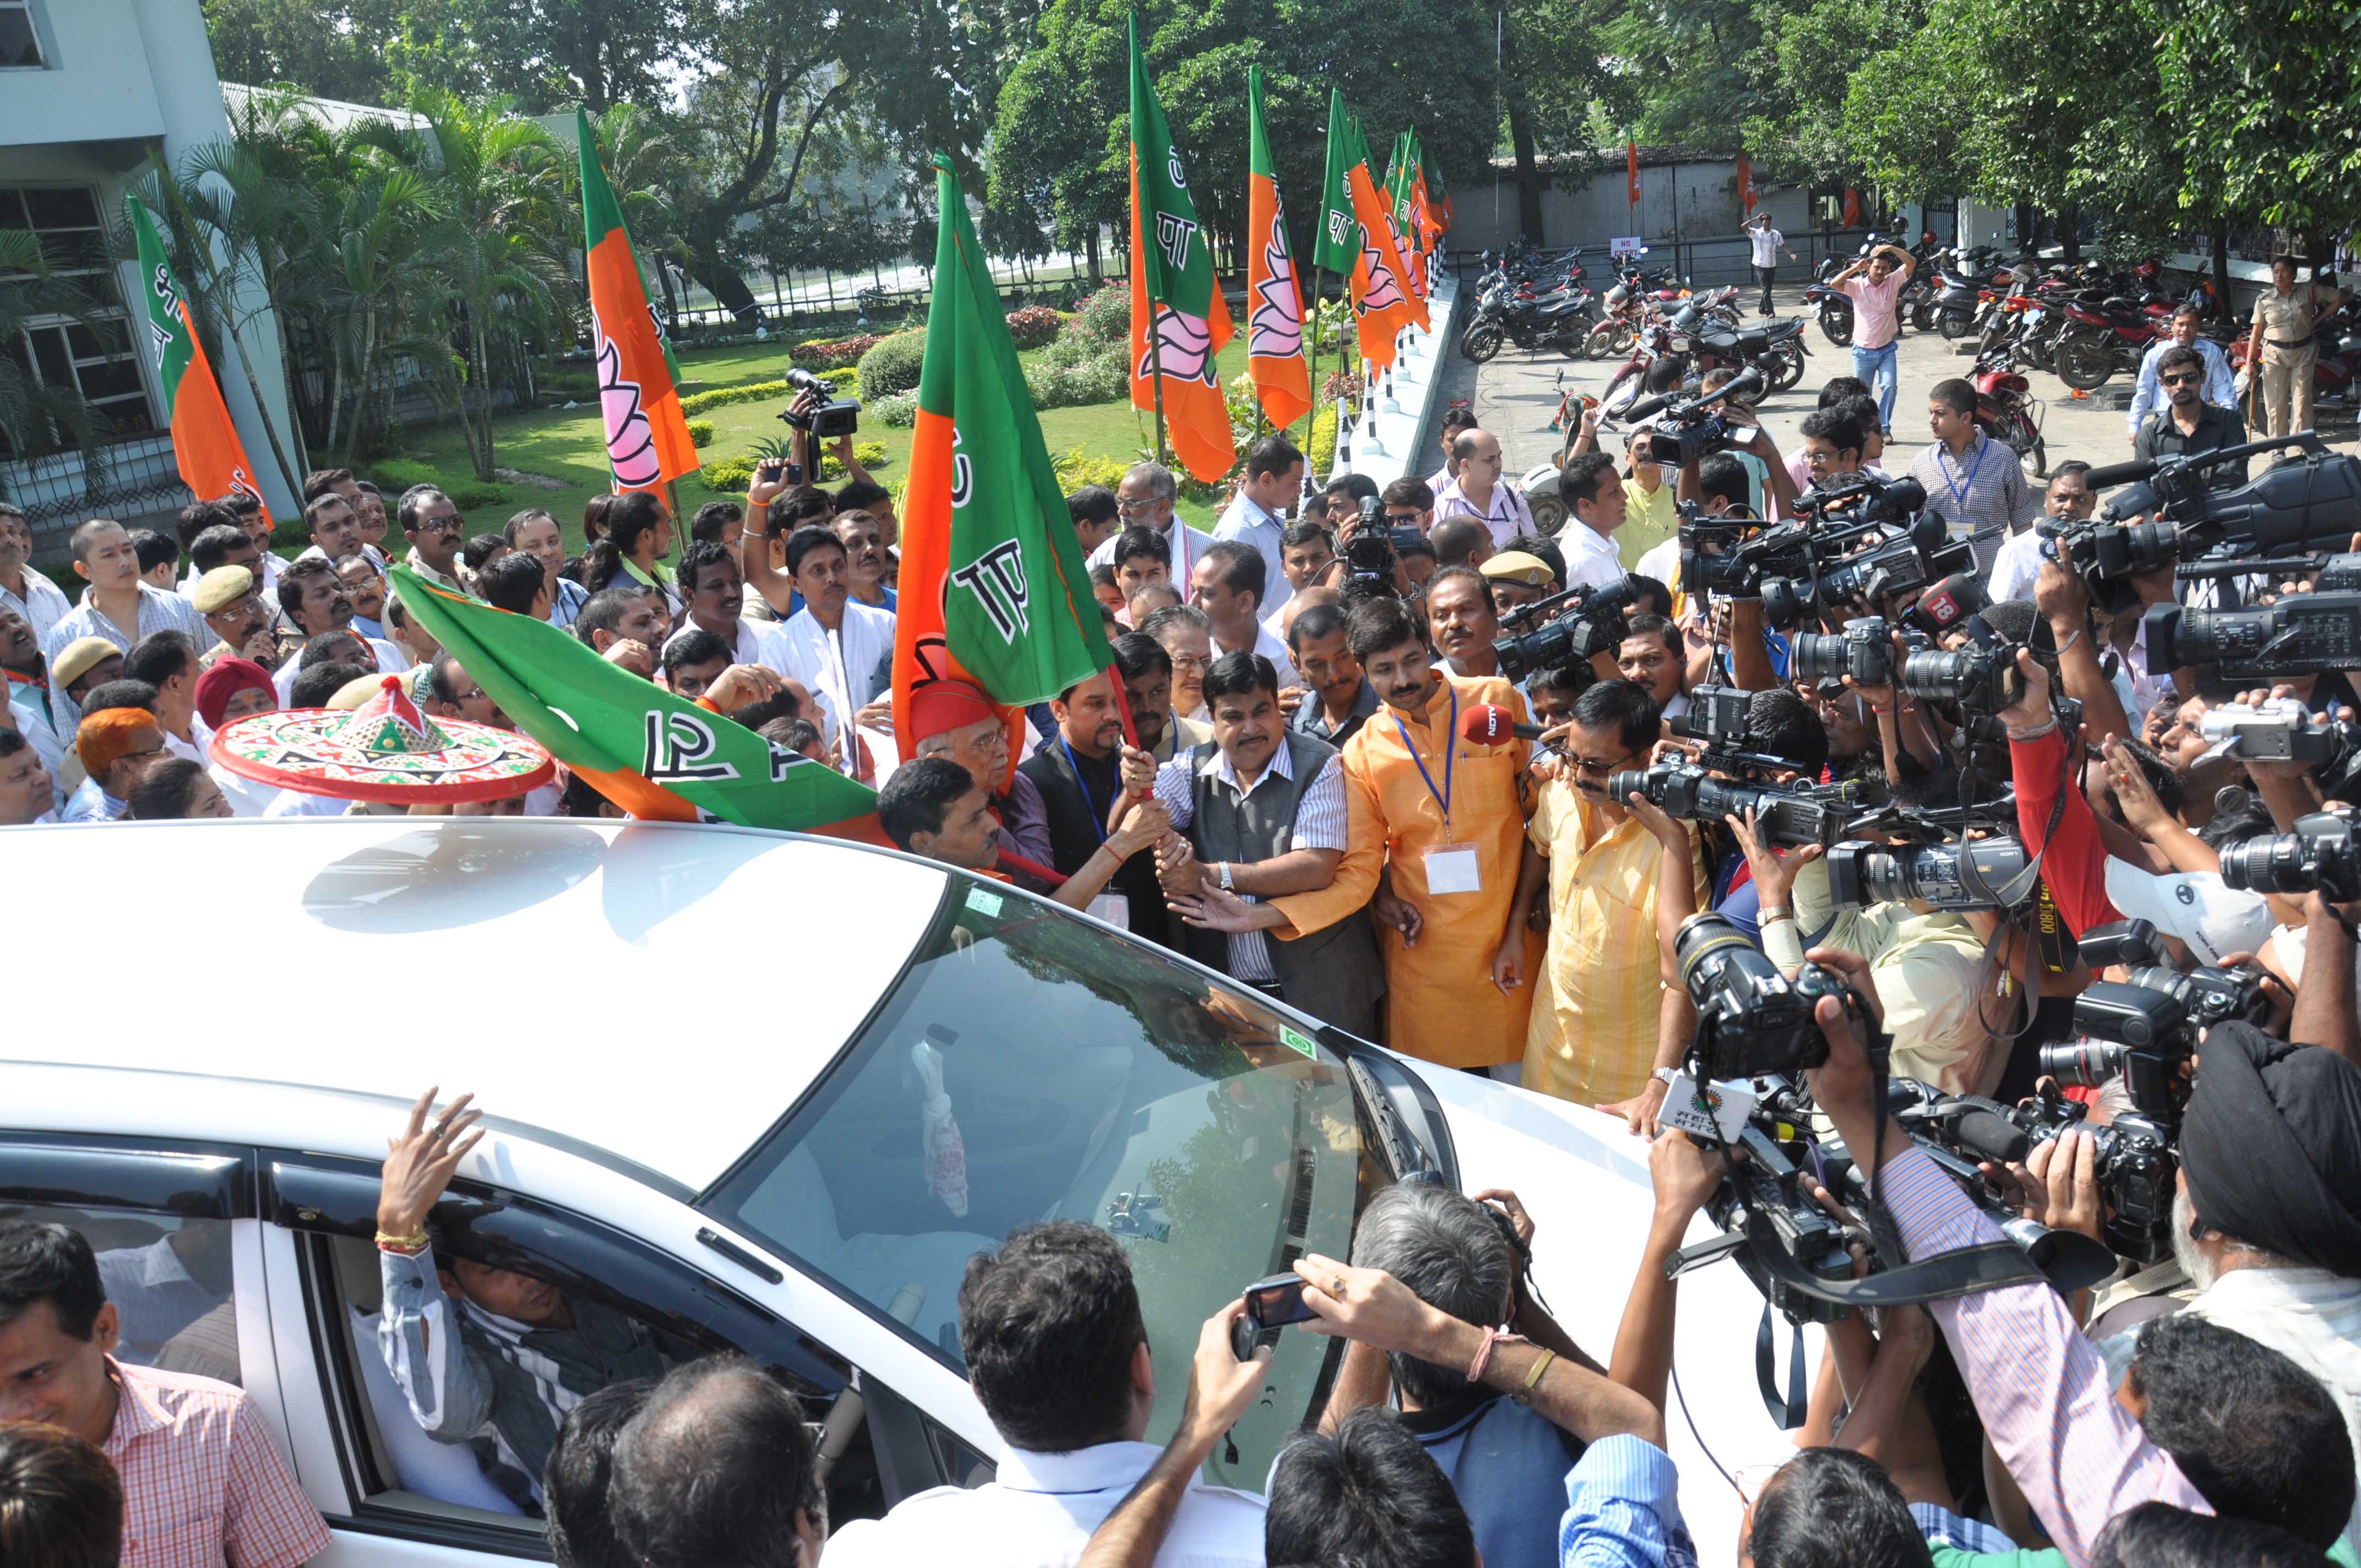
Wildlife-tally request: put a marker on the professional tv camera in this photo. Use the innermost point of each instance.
(2294, 509)
(2303, 634)
(1571, 625)
(1692, 428)
(1956, 875)
(1785, 814)
(1376, 546)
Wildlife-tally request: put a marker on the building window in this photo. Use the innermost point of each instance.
(20, 47)
(93, 355)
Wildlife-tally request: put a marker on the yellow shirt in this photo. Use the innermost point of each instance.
(1648, 519)
(1441, 1004)
(1593, 1036)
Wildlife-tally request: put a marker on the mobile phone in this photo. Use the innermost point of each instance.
(770, 467)
(1271, 1304)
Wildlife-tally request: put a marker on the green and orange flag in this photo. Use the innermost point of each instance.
(1274, 307)
(1398, 215)
(655, 755)
(639, 397)
(205, 442)
(1178, 319)
(1357, 239)
(993, 588)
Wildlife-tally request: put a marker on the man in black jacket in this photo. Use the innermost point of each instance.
(1079, 773)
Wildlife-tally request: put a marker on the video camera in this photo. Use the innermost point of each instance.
(1783, 815)
(1377, 546)
(1962, 873)
(1566, 627)
(2278, 729)
(2303, 634)
(2294, 506)
(833, 419)
(1695, 428)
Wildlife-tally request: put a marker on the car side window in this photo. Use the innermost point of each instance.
(169, 1279)
(451, 1390)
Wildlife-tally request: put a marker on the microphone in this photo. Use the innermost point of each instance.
(1993, 1136)
(2118, 473)
(1488, 724)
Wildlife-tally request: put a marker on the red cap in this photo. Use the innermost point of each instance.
(939, 706)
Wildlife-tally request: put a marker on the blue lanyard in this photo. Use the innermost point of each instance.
(1944, 469)
(1098, 821)
(1450, 749)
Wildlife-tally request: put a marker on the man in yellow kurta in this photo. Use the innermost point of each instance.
(1612, 1008)
(1436, 830)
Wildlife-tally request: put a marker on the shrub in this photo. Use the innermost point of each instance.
(870, 455)
(395, 475)
(1034, 325)
(892, 365)
(700, 432)
(899, 411)
(845, 377)
(834, 353)
(1077, 467)
(470, 495)
(730, 476)
(1321, 458)
(1106, 316)
(722, 396)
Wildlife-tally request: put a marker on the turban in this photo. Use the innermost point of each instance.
(226, 680)
(939, 706)
(104, 738)
(2271, 1146)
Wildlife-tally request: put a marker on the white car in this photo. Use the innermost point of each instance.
(705, 1053)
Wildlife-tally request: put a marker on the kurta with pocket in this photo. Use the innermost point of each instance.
(1441, 1004)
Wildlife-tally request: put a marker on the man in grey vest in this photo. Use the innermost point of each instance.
(1263, 810)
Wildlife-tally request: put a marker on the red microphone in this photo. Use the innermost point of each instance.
(1488, 724)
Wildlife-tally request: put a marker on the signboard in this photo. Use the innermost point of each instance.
(1626, 245)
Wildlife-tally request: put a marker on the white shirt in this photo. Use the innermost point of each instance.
(845, 668)
(1662, 561)
(390, 661)
(1268, 644)
(1507, 516)
(1187, 545)
(43, 603)
(2017, 567)
(1248, 523)
(763, 643)
(1591, 557)
(1766, 242)
(1041, 1512)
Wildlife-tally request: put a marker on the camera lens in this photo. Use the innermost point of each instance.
(2082, 1063)
(1817, 656)
(2272, 863)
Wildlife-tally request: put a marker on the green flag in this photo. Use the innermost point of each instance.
(993, 588)
(1338, 246)
(1177, 260)
(656, 756)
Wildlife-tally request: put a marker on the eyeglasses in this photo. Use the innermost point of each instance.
(1134, 509)
(453, 525)
(2186, 378)
(1598, 769)
(1186, 663)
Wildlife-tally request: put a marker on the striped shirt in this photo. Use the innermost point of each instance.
(201, 1484)
(1983, 490)
(2040, 1386)
(1319, 825)
(1623, 1509)
(159, 612)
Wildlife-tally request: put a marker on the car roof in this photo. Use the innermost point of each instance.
(660, 992)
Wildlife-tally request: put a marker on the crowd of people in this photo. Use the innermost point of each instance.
(1345, 756)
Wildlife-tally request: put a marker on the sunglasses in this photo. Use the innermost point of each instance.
(2186, 379)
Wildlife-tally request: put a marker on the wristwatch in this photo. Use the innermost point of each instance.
(1225, 869)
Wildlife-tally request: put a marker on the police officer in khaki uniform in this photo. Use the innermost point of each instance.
(2287, 318)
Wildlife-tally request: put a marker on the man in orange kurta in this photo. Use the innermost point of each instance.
(1460, 962)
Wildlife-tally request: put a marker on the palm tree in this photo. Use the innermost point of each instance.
(31, 413)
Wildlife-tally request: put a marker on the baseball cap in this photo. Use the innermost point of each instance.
(2196, 906)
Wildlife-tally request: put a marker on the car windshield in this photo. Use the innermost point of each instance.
(1030, 1065)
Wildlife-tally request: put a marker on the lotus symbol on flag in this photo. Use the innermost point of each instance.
(1275, 331)
(1384, 292)
(1184, 349)
(630, 444)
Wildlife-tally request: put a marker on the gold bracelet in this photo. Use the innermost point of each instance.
(1525, 1396)
(409, 1245)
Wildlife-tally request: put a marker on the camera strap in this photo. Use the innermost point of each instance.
(1786, 1411)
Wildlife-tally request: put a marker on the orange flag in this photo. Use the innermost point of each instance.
(1173, 287)
(1382, 303)
(1745, 187)
(205, 446)
(1851, 208)
(1631, 172)
(639, 397)
(1274, 308)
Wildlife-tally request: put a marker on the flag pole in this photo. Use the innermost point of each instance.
(1156, 374)
(1312, 319)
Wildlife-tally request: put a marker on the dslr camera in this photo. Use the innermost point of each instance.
(1862, 650)
(834, 419)
(1752, 1021)
(1571, 627)
(1781, 815)
(2316, 856)
(1980, 678)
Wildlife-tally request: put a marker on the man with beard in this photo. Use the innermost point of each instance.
(1436, 831)
(316, 603)
(934, 807)
(1338, 699)
(1264, 811)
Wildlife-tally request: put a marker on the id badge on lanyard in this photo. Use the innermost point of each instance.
(1450, 868)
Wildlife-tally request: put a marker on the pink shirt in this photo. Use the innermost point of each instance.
(201, 1483)
(1873, 326)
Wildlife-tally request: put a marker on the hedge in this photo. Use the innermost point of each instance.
(730, 476)
(700, 432)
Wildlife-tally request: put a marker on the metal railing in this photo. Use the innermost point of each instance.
(137, 475)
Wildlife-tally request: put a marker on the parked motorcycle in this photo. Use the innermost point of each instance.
(1554, 313)
(2009, 413)
(2102, 339)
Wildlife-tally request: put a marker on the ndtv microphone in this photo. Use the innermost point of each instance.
(1488, 724)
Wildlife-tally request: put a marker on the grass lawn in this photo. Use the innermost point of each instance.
(567, 448)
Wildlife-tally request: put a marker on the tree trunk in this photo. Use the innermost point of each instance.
(721, 281)
(2027, 242)
(1529, 179)
(1090, 250)
(2070, 231)
(483, 404)
(2221, 256)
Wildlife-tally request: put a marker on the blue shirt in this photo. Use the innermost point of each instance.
(1622, 1507)
(1744, 906)
(1500, 1457)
